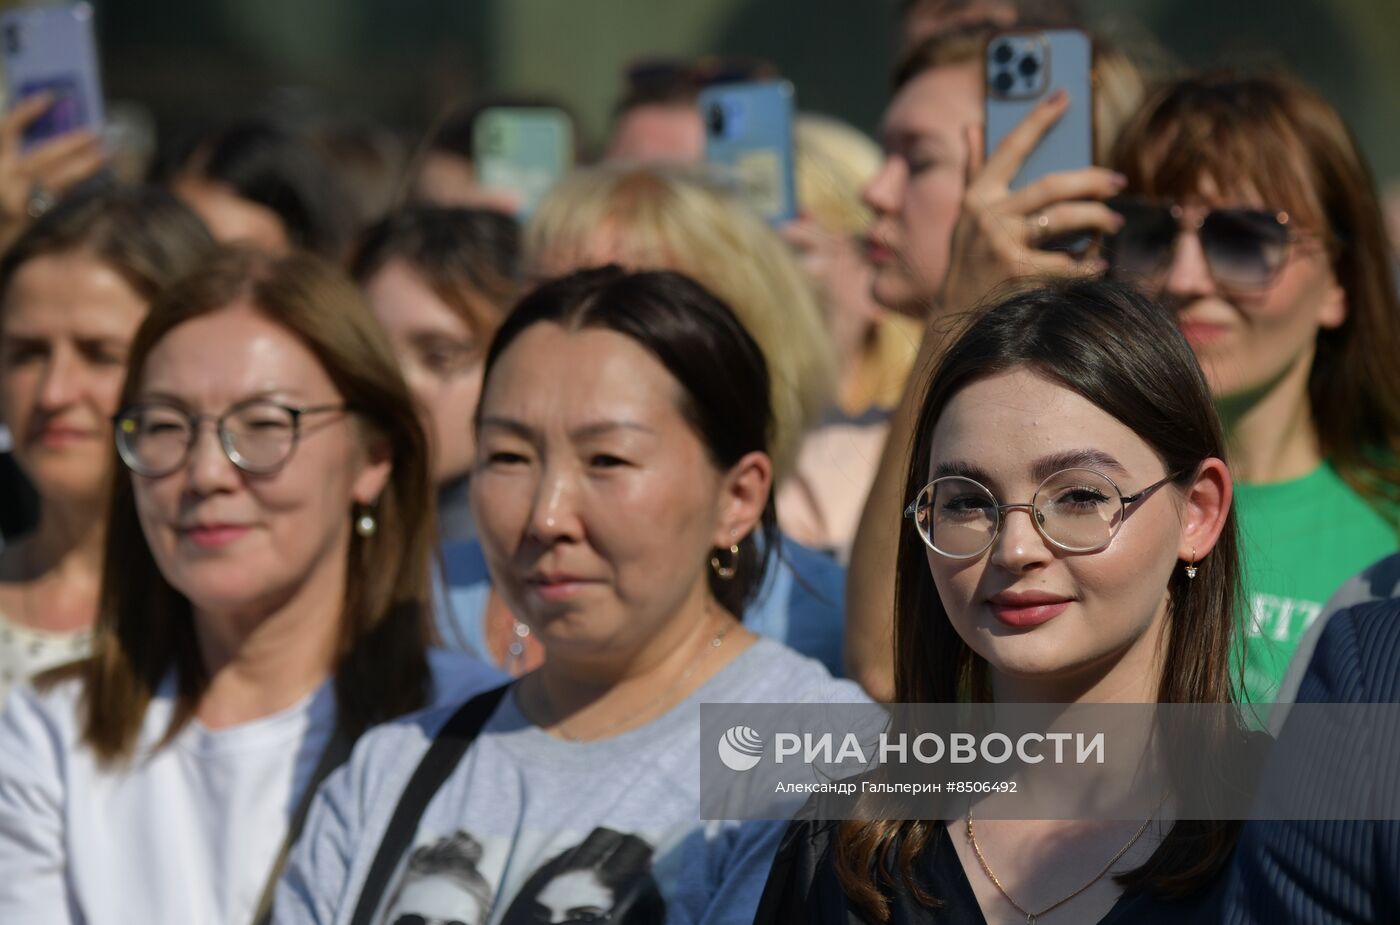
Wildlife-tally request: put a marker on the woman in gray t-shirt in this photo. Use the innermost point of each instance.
(622, 474)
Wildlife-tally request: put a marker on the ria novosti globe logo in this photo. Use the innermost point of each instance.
(740, 748)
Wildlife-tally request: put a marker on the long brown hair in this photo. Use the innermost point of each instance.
(145, 630)
(1121, 352)
(1269, 134)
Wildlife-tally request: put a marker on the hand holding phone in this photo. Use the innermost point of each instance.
(50, 51)
(32, 180)
(1000, 231)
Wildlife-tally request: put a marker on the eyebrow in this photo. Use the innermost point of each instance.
(906, 138)
(1041, 468)
(583, 432)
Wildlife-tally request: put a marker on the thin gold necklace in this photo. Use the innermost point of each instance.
(1032, 916)
(663, 698)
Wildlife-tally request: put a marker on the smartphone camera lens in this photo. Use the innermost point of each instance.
(715, 120)
(1004, 82)
(1003, 53)
(1028, 66)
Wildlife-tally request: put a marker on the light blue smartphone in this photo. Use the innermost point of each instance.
(51, 49)
(522, 150)
(748, 138)
(1024, 67)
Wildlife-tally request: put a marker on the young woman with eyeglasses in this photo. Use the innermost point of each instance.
(1068, 540)
(1246, 206)
(264, 600)
(1251, 214)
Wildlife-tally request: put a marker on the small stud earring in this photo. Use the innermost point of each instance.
(1191, 566)
(365, 524)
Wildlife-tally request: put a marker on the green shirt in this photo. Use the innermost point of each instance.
(1300, 541)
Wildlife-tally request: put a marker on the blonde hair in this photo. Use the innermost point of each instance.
(679, 218)
(834, 163)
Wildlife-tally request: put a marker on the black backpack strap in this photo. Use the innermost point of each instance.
(449, 745)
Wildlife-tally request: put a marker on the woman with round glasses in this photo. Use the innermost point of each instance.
(264, 601)
(1252, 216)
(1072, 542)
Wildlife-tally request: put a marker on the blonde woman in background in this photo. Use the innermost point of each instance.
(821, 504)
(676, 218)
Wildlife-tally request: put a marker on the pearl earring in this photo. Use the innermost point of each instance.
(365, 524)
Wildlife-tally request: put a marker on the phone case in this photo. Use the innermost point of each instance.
(1024, 67)
(748, 137)
(52, 49)
(523, 150)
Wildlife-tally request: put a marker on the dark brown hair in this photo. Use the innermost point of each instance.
(469, 257)
(1270, 135)
(145, 631)
(962, 44)
(697, 338)
(1122, 352)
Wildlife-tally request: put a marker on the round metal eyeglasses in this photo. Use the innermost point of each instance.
(1077, 510)
(155, 438)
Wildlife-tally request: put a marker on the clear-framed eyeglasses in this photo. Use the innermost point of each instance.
(155, 438)
(1076, 510)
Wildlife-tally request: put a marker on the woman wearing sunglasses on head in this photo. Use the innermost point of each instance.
(1252, 216)
(1070, 541)
(263, 601)
(622, 476)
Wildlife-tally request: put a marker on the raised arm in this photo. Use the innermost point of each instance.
(993, 242)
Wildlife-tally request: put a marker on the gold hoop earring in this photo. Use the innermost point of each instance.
(1191, 566)
(722, 571)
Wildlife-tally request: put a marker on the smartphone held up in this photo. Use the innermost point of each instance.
(749, 140)
(51, 50)
(1024, 68)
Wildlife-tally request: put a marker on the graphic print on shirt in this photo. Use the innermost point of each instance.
(607, 877)
(442, 884)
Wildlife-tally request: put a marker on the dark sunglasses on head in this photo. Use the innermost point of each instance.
(1244, 248)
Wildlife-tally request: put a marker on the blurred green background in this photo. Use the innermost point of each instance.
(400, 61)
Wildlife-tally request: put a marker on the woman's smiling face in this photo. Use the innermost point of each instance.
(1029, 608)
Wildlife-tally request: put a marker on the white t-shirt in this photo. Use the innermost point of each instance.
(26, 651)
(186, 834)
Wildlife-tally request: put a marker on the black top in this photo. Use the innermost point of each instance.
(802, 887)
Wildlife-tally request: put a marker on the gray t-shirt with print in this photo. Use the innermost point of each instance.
(530, 828)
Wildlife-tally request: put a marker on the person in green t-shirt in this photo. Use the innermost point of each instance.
(1252, 215)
